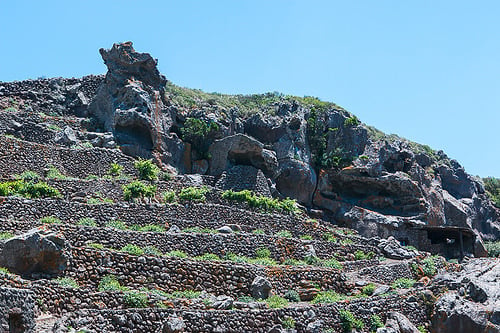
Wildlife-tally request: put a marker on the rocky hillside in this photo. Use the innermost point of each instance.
(129, 204)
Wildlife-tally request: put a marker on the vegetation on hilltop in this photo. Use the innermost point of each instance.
(492, 186)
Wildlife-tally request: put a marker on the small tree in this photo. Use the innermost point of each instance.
(147, 169)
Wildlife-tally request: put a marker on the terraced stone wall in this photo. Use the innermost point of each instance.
(16, 310)
(151, 320)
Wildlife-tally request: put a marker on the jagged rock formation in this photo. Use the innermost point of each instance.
(82, 137)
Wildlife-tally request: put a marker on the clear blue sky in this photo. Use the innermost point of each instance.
(426, 70)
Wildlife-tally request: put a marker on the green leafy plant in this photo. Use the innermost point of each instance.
(176, 254)
(375, 323)
(200, 134)
(360, 255)
(258, 232)
(110, 283)
(261, 202)
(29, 176)
(50, 220)
(6, 235)
(403, 283)
(276, 302)
(115, 170)
(492, 187)
(368, 289)
(116, 224)
(191, 193)
(348, 321)
(284, 234)
(147, 169)
(332, 263)
(262, 252)
(422, 329)
(87, 221)
(288, 323)
(132, 249)
(4, 271)
(493, 249)
(169, 197)
(207, 257)
(67, 282)
(135, 299)
(138, 189)
(306, 237)
(328, 296)
(351, 121)
(54, 173)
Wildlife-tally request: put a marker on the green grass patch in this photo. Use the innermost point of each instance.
(176, 254)
(116, 224)
(328, 296)
(403, 283)
(50, 220)
(67, 282)
(6, 235)
(132, 249)
(87, 221)
(276, 302)
(261, 202)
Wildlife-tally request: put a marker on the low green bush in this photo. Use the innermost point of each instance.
(493, 249)
(50, 220)
(263, 252)
(292, 296)
(116, 224)
(403, 283)
(147, 169)
(360, 255)
(348, 321)
(67, 282)
(276, 302)
(328, 296)
(177, 254)
(87, 221)
(368, 289)
(6, 235)
(138, 189)
(191, 193)
(375, 323)
(169, 197)
(110, 283)
(132, 249)
(115, 170)
(96, 246)
(332, 263)
(135, 299)
(288, 323)
(284, 234)
(261, 202)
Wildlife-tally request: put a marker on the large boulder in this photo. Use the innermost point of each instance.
(472, 303)
(296, 180)
(241, 149)
(35, 253)
(131, 104)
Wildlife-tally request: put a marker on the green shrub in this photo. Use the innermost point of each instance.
(116, 224)
(368, 289)
(288, 323)
(422, 329)
(96, 246)
(258, 232)
(332, 263)
(87, 221)
(329, 237)
(169, 197)
(147, 169)
(6, 235)
(375, 322)
(54, 173)
(492, 187)
(351, 121)
(177, 254)
(200, 134)
(207, 257)
(110, 283)
(29, 176)
(196, 194)
(493, 249)
(28, 189)
(276, 302)
(135, 299)
(306, 237)
(312, 260)
(261, 202)
(67, 282)
(292, 296)
(403, 283)
(263, 261)
(50, 220)
(138, 189)
(428, 266)
(99, 201)
(263, 252)
(284, 234)
(132, 249)
(348, 321)
(4, 271)
(328, 296)
(115, 170)
(360, 255)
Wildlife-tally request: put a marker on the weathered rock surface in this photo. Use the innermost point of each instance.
(473, 302)
(35, 252)
(260, 288)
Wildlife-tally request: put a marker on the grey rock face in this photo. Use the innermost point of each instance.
(66, 137)
(174, 325)
(477, 309)
(35, 252)
(260, 288)
(399, 323)
(392, 249)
